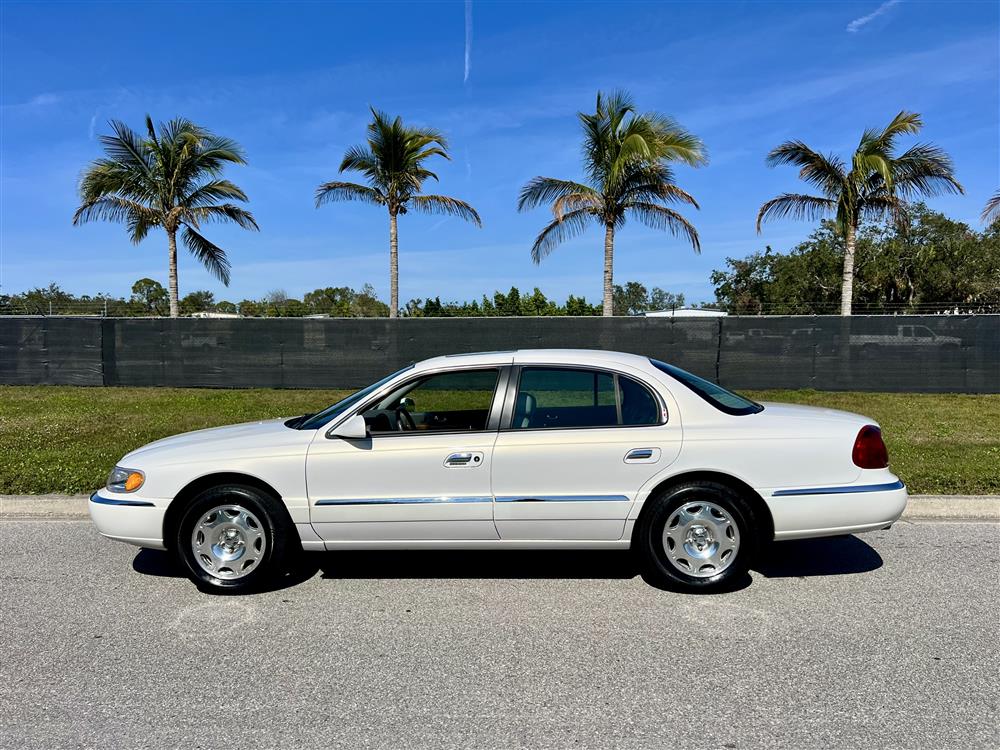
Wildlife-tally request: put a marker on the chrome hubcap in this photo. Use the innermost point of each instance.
(701, 539)
(228, 541)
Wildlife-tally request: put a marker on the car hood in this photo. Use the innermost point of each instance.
(214, 438)
(797, 411)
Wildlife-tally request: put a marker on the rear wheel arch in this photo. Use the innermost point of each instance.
(761, 513)
(175, 511)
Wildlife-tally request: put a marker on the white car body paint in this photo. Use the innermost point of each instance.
(520, 488)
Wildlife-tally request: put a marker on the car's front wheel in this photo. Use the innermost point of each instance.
(697, 536)
(233, 538)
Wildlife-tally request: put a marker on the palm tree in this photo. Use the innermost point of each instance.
(393, 163)
(877, 185)
(991, 214)
(170, 179)
(626, 157)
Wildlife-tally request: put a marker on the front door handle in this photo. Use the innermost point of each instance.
(458, 460)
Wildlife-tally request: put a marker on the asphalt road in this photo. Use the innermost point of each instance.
(889, 640)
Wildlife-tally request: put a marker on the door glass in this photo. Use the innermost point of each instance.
(448, 401)
(561, 397)
(638, 404)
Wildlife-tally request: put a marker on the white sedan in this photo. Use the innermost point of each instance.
(555, 449)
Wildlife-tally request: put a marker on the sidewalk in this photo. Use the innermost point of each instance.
(920, 507)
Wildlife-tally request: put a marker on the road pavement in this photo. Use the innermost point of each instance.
(886, 640)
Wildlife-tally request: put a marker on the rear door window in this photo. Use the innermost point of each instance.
(562, 397)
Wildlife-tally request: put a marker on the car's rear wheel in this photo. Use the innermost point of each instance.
(233, 538)
(697, 536)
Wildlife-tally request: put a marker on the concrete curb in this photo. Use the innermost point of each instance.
(920, 507)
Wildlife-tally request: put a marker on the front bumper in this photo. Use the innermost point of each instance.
(832, 511)
(127, 518)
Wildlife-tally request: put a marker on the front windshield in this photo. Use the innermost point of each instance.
(716, 395)
(321, 418)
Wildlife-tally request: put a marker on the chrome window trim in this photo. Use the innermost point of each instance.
(393, 384)
(514, 384)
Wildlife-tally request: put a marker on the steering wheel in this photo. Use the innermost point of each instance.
(404, 419)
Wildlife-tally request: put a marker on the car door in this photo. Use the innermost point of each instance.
(423, 472)
(577, 445)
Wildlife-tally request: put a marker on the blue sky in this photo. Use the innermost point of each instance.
(292, 83)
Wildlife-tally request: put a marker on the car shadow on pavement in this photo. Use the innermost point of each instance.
(157, 563)
(801, 558)
(511, 564)
(826, 556)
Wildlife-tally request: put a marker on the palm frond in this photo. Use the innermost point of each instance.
(795, 205)
(540, 190)
(442, 204)
(116, 209)
(667, 220)
(904, 123)
(126, 148)
(674, 143)
(347, 191)
(208, 192)
(576, 201)
(558, 231)
(655, 187)
(209, 254)
(828, 173)
(991, 213)
(224, 212)
(360, 159)
(925, 169)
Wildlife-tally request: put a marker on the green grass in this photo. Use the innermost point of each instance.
(65, 439)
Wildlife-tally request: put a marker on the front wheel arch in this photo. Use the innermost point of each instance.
(175, 511)
(762, 517)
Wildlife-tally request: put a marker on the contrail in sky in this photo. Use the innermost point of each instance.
(468, 40)
(857, 23)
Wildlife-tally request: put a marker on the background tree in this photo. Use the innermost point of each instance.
(170, 179)
(150, 297)
(634, 299)
(626, 158)
(931, 264)
(875, 187)
(991, 213)
(392, 161)
(198, 301)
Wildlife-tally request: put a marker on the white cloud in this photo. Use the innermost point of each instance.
(856, 25)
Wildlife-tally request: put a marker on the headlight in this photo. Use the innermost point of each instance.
(125, 480)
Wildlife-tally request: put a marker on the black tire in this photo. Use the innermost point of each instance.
(278, 549)
(649, 543)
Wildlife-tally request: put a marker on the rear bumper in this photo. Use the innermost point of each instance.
(126, 518)
(830, 511)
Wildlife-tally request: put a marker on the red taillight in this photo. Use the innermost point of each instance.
(869, 449)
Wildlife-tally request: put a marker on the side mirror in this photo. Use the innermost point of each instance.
(354, 428)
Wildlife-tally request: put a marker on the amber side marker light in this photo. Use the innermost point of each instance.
(133, 482)
(869, 449)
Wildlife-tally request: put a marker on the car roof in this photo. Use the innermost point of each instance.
(594, 357)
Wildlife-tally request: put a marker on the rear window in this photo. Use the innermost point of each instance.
(716, 395)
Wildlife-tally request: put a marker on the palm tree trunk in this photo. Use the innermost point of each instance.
(847, 285)
(174, 307)
(393, 267)
(609, 260)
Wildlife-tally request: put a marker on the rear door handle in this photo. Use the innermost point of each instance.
(469, 458)
(642, 456)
